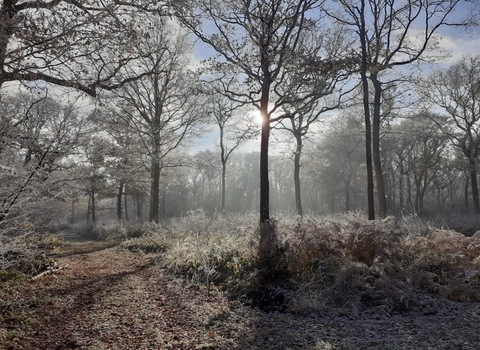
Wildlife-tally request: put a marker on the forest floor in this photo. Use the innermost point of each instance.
(110, 298)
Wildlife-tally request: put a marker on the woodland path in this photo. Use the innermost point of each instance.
(109, 298)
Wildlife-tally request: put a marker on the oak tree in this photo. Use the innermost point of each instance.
(390, 34)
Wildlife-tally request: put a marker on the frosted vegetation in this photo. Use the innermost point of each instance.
(342, 263)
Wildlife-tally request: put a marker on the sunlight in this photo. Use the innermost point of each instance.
(258, 118)
(254, 118)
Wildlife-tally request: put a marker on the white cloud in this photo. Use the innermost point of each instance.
(458, 46)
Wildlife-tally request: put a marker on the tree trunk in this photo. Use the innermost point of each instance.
(377, 161)
(88, 208)
(224, 175)
(93, 208)
(417, 195)
(264, 185)
(73, 211)
(400, 185)
(155, 190)
(156, 158)
(267, 232)
(420, 201)
(347, 194)
(296, 176)
(139, 207)
(473, 179)
(125, 199)
(451, 198)
(164, 199)
(366, 108)
(439, 197)
(393, 189)
(466, 193)
(224, 159)
(409, 193)
(119, 200)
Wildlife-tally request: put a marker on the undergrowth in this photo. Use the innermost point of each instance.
(344, 263)
(20, 259)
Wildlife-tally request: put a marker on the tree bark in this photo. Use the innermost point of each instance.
(267, 230)
(94, 219)
(119, 200)
(296, 175)
(366, 108)
(156, 156)
(377, 160)
(264, 185)
(473, 179)
(125, 201)
(155, 190)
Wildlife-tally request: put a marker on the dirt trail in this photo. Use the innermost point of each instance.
(110, 298)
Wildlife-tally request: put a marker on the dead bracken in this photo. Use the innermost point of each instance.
(336, 283)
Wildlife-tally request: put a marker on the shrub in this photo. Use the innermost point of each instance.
(344, 262)
(371, 240)
(118, 231)
(150, 242)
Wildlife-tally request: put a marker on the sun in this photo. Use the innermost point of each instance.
(254, 118)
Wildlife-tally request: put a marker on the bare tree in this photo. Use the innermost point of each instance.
(164, 106)
(457, 91)
(385, 30)
(314, 88)
(419, 148)
(254, 41)
(236, 126)
(36, 136)
(76, 44)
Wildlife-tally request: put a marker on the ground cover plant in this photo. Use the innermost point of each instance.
(198, 282)
(343, 263)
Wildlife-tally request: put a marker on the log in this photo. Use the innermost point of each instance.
(50, 270)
